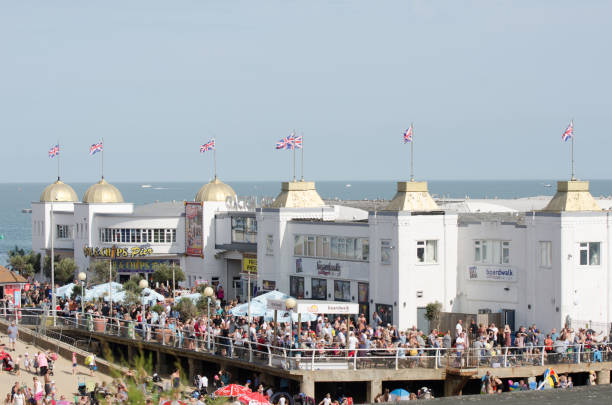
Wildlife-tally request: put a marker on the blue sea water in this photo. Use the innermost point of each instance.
(15, 226)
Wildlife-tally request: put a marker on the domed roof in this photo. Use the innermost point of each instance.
(216, 190)
(58, 191)
(102, 192)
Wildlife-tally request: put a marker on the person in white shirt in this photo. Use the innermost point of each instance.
(352, 342)
(459, 328)
(327, 400)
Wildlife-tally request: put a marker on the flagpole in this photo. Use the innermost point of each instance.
(58, 163)
(102, 158)
(215, 157)
(293, 147)
(573, 177)
(302, 153)
(412, 153)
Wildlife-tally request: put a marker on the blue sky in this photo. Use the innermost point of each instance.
(489, 85)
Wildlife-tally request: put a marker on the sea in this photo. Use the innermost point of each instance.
(16, 230)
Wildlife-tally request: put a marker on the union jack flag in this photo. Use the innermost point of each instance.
(210, 145)
(54, 151)
(95, 148)
(408, 135)
(569, 132)
(285, 143)
(297, 142)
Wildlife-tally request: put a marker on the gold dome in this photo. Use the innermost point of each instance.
(216, 190)
(102, 192)
(58, 191)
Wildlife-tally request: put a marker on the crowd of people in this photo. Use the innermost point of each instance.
(328, 336)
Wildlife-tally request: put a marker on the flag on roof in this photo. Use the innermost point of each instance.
(569, 132)
(284, 143)
(54, 151)
(95, 148)
(408, 135)
(210, 145)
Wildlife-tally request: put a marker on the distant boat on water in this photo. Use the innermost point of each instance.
(27, 210)
(348, 185)
(547, 185)
(146, 186)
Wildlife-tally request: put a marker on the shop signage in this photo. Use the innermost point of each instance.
(268, 285)
(344, 308)
(115, 252)
(194, 237)
(249, 264)
(138, 266)
(491, 273)
(276, 305)
(328, 269)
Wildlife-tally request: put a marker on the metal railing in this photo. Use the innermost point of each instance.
(312, 358)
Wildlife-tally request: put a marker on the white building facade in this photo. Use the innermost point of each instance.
(544, 267)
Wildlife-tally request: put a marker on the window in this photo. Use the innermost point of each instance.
(135, 235)
(296, 287)
(342, 290)
(427, 251)
(244, 230)
(64, 232)
(269, 244)
(385, 251)
(331, 247)
(491, 252)
(323, 246)
(298, 245)
(319, 289)
(310, 246)
(545, 253)
(590, 253)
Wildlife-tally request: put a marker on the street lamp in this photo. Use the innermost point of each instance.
(143, 284)
(82, 277)
(53, 299)
(290, 303)
(208, 293)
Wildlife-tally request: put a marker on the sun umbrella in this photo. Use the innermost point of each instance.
(174, 402)
(232, 390)
(254, 398)
(400, 394)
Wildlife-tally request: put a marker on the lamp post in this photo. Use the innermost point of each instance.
(82, 277)
(145, 284)
(290, 303)
(208, 293)
(54, 312)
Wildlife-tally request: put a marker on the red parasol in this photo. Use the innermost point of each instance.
(254, 398)
(232, 390)
(174, 402)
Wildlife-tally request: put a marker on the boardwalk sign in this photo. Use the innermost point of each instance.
(491, 273)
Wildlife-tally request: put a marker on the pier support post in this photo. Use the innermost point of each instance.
(158, 363)
(374, 388)
(307, 386)
(130, 353)
(191, 372)
(603, 377)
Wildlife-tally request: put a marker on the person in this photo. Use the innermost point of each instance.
(92, 364)
(8, 400)
(26, 361)
(13, 334)
(459, 328)
(43, 364)
(19, 397)
(175, 378)
(74, 363)
(327, 400)
(37, 389)
(17, 368)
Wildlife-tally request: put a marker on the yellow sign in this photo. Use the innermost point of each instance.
(249, 264)
(115, 252)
